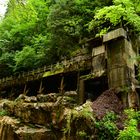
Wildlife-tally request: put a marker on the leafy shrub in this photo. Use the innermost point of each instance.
(130, 131)
(106, 128)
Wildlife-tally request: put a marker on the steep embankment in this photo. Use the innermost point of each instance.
(56, 117)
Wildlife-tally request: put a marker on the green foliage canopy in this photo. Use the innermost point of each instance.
(51, 30)
(123, 13)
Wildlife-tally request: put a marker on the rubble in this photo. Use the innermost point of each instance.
(108, 101)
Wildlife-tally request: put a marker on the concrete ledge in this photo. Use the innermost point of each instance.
(114, 35)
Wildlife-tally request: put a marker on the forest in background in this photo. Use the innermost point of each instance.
(35, 33)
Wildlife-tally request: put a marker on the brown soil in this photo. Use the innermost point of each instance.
(107, 102)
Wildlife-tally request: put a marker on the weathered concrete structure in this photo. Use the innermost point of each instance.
(107, 62)
(114, 59)
(122, 64)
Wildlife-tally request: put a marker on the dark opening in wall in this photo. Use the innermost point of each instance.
(51, 84)
(136, 72)
(86, 72)
(32, 88)
(70, 81)
(138, 95)
(47, 85)
(95, 87)
(11, 92)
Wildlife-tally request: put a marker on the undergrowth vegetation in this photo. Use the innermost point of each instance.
(131, 131)
(81, 124)
(106, 127)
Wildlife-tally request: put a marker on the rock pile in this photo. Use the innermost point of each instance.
(55, 116)
(35, 118)
(108, 101)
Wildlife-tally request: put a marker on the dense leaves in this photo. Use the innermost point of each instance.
(46, 31)
(123, 13)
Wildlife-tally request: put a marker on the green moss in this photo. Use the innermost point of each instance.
(89, 76)
(67, 129)
(50, 73)
(93, 75)
(81, 134)
(79, 121)
(3, 112)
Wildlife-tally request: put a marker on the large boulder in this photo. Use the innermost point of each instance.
(13, 129)
(7, 127)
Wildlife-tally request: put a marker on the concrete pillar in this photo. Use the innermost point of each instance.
(81, 91)
(40, 91)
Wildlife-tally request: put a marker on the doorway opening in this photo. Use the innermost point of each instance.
(95, 87)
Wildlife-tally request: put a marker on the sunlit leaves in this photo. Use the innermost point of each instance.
(122, 13)
(109, 13)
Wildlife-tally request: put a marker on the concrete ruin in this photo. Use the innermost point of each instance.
(103, 63)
